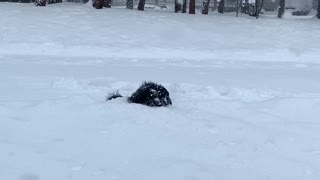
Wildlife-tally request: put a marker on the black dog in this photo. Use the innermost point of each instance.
(149, 94)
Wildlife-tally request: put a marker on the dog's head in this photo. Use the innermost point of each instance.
(151, 94)
(158, 96)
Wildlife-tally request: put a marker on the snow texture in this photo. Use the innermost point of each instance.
(245, 92)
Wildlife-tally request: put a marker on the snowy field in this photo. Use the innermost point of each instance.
(245, 92)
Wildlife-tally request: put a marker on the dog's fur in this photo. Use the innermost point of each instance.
(149, 94)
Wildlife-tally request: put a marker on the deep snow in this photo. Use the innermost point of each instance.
(245, 94)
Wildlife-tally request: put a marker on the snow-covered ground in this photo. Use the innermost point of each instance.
(245, 92)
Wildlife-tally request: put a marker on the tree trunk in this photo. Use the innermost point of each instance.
(192, 7)
(245, 7)
(49, 1)
(318, 10)
(177, 6)
(257, 4)
(221, 6)
(215, 5)
(40, 2)
(107, 3)
(315, 4)
(238, 4)
(129, 4)
(205, 7)
(282, 4)
(184, 6)
(141, 5)
(98, 4)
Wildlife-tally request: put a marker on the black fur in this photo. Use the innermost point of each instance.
(113, 95)
(149, 94)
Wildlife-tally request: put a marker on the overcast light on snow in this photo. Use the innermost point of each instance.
(245, 93)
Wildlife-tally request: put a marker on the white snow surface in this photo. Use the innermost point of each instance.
(245, 92)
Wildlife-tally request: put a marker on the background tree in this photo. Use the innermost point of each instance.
(192, 7)
(177, 6)
(205, 7)
(129, 4)
(221, 6)
(180, 7)
(49, 1)
(282, 4)
(315, 4)
(184, 6)
(141, 5)
(259, 5)
(318, 10)
(215, 5)
(107, 3)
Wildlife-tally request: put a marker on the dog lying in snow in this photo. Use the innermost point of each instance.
(149, 94)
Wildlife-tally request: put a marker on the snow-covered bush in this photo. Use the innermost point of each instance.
(40, 2)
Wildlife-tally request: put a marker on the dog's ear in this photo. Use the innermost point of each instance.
(150, 84)
(113, 95)
(144, 83)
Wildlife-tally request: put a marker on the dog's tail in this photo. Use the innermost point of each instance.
(113, 95)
